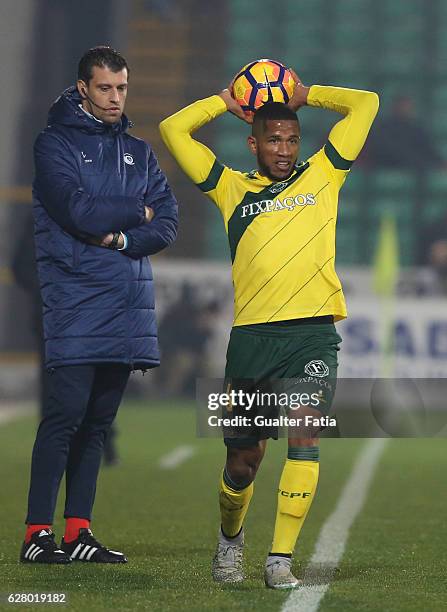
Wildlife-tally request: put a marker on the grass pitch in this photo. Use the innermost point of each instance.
(166, 522)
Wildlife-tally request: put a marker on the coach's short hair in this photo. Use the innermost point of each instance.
(102, 57)
(272, 111)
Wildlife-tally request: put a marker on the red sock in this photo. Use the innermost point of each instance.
(72, 527)
(30, 529)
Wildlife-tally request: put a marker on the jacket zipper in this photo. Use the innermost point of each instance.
(129, 344)
(76, 246)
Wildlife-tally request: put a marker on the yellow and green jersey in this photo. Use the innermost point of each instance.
(281, 234)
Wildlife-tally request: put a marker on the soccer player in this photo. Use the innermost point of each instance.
(280, 221)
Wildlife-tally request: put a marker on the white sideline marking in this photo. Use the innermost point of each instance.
(176, 457)
(6, 416)
(331, 542)
(11, 411)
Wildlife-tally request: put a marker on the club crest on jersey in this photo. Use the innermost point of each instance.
(317, 368)
(278, 187)
(269, 206)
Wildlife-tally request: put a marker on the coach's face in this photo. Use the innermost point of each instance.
(276, 147)
(104, 96)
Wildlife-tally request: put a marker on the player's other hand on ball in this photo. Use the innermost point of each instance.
(299, 96)
(233, 106)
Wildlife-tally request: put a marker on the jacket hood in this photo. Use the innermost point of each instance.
(65, 111)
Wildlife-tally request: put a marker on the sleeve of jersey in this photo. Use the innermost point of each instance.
(195, 159)
(348, 136)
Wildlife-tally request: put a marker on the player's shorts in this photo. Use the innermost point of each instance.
(280, 366)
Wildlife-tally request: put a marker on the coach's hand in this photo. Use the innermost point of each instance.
(300, 93)
(233, 106)
(106, 240)
(149, 214)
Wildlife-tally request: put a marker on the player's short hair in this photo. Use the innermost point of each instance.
(102, 57)
(274, 111)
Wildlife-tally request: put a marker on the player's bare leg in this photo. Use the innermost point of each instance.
(236, 490)
(297, 488)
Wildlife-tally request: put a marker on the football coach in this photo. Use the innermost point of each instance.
(101, 206)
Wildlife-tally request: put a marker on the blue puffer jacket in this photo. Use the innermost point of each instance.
(92, 179)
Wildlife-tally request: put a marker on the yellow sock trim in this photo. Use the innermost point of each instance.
(297, 488)
(233, 507)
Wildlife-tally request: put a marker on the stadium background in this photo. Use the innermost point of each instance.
(180, 50)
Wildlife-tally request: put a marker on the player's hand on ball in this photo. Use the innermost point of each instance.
(299, 96)
(233, 106)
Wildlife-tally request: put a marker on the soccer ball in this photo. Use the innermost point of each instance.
(262, 81)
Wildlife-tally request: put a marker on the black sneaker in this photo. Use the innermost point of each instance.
(86, 548)
(42, 549)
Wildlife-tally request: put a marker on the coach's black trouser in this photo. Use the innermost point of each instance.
(80, 406)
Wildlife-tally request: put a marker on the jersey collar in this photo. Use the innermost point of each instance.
(254, 174)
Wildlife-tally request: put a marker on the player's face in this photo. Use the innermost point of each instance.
(105, 94)
(276, 148)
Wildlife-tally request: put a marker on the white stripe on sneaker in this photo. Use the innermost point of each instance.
(76, 550)
(30, 550)
(91, 553)
(36, 553)
(85, 551)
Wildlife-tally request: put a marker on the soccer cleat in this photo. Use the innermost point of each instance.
(86, 548)
(42, 549)
(227, 562)
(278, 575)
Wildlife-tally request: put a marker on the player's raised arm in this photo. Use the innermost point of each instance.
(195, 159)
(348, 136)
